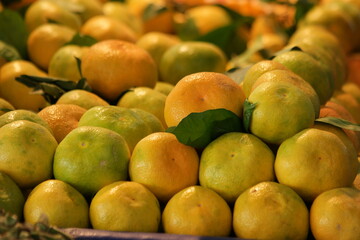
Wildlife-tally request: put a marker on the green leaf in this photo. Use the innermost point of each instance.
(6, 109)
(13, 30)
(247, 114)
(153, 10)
(82, 40)
(221, 37)
(199, 129)
(338, 122)
(50, 88)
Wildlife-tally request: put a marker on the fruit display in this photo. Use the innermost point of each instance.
(179, 119)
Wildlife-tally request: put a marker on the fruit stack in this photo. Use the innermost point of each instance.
(232, 118)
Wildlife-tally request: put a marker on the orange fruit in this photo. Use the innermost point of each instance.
(43, 12)
(226, 162)
(59, 203)
(205, 18)
(125, 206)
(156, 43)
(114, 66)
(28, 149)
(120, 11)
(199, 211)
(23, 114)
(316, 160)
(269, 210)
(5, 106)
(16, 93)
(191, 57)
(200, 92)
(102, 27)
(12, 199)
(131, 123)
(63, 63)
(62, 118)
(90, 157)
(82, 98)
(45, 40)
(333, 109)
(89, 8)
(350, 102)
(281, 110)
(280, 75)
(256, 70)
(159, 157)
(146, 99)
(311, 70)
(335, 214)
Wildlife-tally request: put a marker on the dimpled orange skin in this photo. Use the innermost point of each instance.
(200, 92)
(113, 66)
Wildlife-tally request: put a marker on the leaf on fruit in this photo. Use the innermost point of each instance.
(82, 40)
(338, 122)
(200, 128)
(13, 30)
(50, 88)
(247, 114)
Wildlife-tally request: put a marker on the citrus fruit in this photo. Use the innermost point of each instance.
(120, 11)
(350, 102)
(5, 106)
(269, 210)
(62, 118)
(163, 87)
(280, 75)
(11, 197)
(332, 16)
(16, 93)
(82, 98)
(45, 40)
(89, 8)
(23, 114)
(147, 99)
(43, 12)
(197, 210)
(156, 43)
(202, 91)
(159, 21)
(335, 214)
(325, 47)
(61, 205)
(114, 66)
(90, 157)
(159, 157)
(234, 162)
(191, 57)
(311, 70)
(28, 149)
(63, 63)
(205, 18)
(316, 160)
(125, 206)
(102, 27)
(132, 124)
(255, 71)
(281, 110)
(333, 109)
